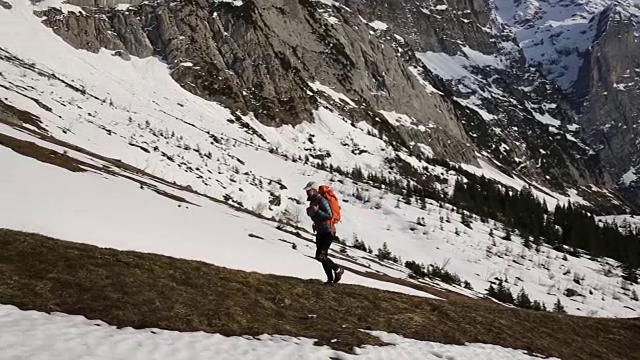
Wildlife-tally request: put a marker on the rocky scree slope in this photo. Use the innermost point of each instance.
(457, 84)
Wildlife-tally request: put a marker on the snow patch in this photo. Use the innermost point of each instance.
(427, 85)
(334, 94)
(629, 177)
(31, 334)
(544, 118)
(397, 119)
(59, 4)
(540, 191)
(232, 2)
(378, 25)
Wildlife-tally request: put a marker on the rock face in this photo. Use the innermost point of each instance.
(607, 95)
(124, 55)
(261, 56)
(451, 72)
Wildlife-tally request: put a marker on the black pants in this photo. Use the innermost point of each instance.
(323, 241)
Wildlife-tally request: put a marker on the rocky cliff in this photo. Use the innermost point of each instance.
(449, 75)
(607, 97)
(590, 50)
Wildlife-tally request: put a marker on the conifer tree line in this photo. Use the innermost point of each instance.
(567, 227)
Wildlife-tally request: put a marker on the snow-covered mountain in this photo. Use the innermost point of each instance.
(558, 34)
(589, 49)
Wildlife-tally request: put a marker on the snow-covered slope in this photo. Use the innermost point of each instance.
(134, 112)
(627, 223)
(29, 334)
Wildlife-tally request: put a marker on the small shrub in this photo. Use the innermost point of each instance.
(467, 285)
(417, 270)
(359, 244)
(440, 273)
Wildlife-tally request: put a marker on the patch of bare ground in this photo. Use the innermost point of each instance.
(151, 291)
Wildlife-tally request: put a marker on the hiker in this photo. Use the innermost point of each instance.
(321, 201)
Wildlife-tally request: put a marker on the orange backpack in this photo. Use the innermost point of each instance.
(328, 194)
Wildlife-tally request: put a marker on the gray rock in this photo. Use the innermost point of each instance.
(607, 96)
(122, 54)
(90, 32)
(6, 4)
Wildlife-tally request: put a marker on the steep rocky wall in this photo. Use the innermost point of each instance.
(260, 57)
(514, 137)
(607, 96)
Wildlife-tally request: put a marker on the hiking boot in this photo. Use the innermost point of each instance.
(328, 283)
(338, 275)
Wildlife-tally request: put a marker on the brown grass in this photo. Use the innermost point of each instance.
(15, 116)
(152, 291)
(40, 153)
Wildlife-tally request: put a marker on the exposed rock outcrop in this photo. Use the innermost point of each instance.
(261, 56)
(607, 95)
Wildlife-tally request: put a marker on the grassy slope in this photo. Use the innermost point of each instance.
(152, 291)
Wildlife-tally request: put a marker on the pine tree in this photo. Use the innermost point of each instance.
(359, 244)
(537, 242)
(503, 294)
(558, 307)
(466, 221)
(507, 234)
(527, 242)
(384, 253)
(537, 306)
(522, 300)
(491, 291)
(467, 285)
(629, 274)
